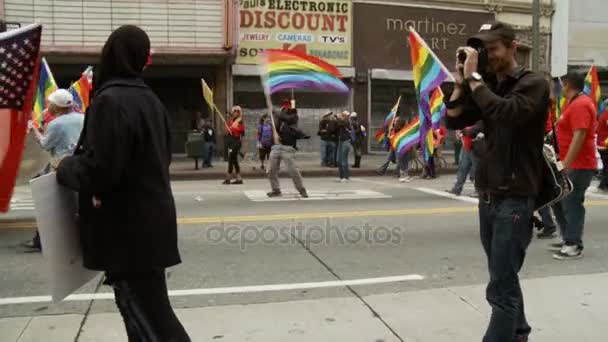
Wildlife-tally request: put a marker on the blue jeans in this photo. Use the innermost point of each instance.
(545, 214)
(208, 153)
(344, 148)
(506, 232)
(466, 167)
(570, 212)
(323, 150)
(402, 166)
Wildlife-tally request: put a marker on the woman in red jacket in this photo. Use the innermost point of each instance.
(234, 132)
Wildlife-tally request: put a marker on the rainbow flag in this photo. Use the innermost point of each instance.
(382, 134)
(593, 89)
(429, 73)
(438, 109)
(560, 100)
(81, 89)
(429, 144)
(46, 85)
(284, 70)
(407, 137)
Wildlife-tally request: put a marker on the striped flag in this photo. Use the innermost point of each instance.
(407, 137)
(438, 109)
(560, 100)
(384, 131)
(593, 89)
(429, 73)
(80, 89)
(46, 85)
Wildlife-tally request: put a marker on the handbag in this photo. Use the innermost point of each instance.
(555, 184)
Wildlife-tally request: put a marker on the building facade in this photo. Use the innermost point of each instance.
(191, 39)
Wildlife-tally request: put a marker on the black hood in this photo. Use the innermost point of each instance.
(124, 55)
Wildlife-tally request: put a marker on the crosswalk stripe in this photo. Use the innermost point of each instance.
(260, 195)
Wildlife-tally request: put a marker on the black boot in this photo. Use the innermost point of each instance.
(357, 162)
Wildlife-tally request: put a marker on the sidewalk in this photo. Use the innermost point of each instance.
(560, 309)
(183, 168)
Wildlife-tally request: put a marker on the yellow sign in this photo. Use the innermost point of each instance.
(318, 28)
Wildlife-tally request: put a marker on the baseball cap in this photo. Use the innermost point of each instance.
(61, 98)
(492, 32)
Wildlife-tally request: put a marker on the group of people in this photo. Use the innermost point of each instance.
(341, 128)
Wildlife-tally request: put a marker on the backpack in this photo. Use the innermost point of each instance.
(266, 135)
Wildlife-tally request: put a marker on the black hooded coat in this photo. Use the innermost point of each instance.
(121, 165)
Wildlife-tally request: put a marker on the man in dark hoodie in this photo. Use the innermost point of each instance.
(288, 135)
(126, 209)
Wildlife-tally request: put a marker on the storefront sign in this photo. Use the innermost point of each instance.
(319, 28)
(381, 32)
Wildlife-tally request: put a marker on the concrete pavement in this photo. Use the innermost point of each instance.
(330, 268)
(560, 309)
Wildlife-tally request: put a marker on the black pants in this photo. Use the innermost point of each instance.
(143, 302)
(233, 158)
(604, 183)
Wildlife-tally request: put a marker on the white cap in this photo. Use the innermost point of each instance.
(61, 98)
(353, 114)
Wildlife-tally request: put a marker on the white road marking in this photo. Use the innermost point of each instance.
(260, 195)
(448, 195)
(226, 290)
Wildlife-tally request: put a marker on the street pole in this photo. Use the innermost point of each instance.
(536, 35)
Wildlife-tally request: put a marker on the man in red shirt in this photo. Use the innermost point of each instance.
(602, 146)
(575, 135)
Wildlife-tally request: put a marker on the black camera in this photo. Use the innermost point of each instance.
(482, 61)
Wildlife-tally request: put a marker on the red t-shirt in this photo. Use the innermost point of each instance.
(238, 131)
(579, 114)
(602, 129)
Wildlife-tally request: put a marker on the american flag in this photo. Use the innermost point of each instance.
(19, 51)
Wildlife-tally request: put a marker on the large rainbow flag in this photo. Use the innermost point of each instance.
(429, 73)
(560, 100)
(384, 131)
(593, 89)
(81, 89)
(407, 137)
(283, 70)
(46, 85)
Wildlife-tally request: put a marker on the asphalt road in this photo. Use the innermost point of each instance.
(232, 236)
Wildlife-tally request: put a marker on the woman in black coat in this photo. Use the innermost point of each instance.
(121, 172)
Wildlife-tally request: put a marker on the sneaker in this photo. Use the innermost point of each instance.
(547, 233)
(453, 192)
(274, 194)
(402, 179)
(556, 247)
(226, 182)
(31, 246)
(569, 253)
(237, 182)
(343, 180)
(303, 193)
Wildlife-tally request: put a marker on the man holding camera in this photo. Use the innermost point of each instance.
(512, 104)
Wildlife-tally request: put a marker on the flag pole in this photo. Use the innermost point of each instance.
(413, 31)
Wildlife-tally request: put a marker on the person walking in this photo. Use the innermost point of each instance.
(466, 167)
(576, 140)
(234, 134)
(120, 169)
(285, 150)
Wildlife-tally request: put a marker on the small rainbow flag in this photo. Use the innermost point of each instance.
(438, 108)
(593, 89)
(294, 70)
(429, 73)
(560, 100)
(407, 137)
(81, 89)
(429, 145)
(382, 134)
(46, 85)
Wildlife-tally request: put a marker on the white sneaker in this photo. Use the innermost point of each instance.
(569, 253)
(343, 180)
(402, 180)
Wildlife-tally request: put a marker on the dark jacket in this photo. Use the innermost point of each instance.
(514, 113)
(123, 160)
(289, 133)
(208, 134)
(345, 130)
(358, 133)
